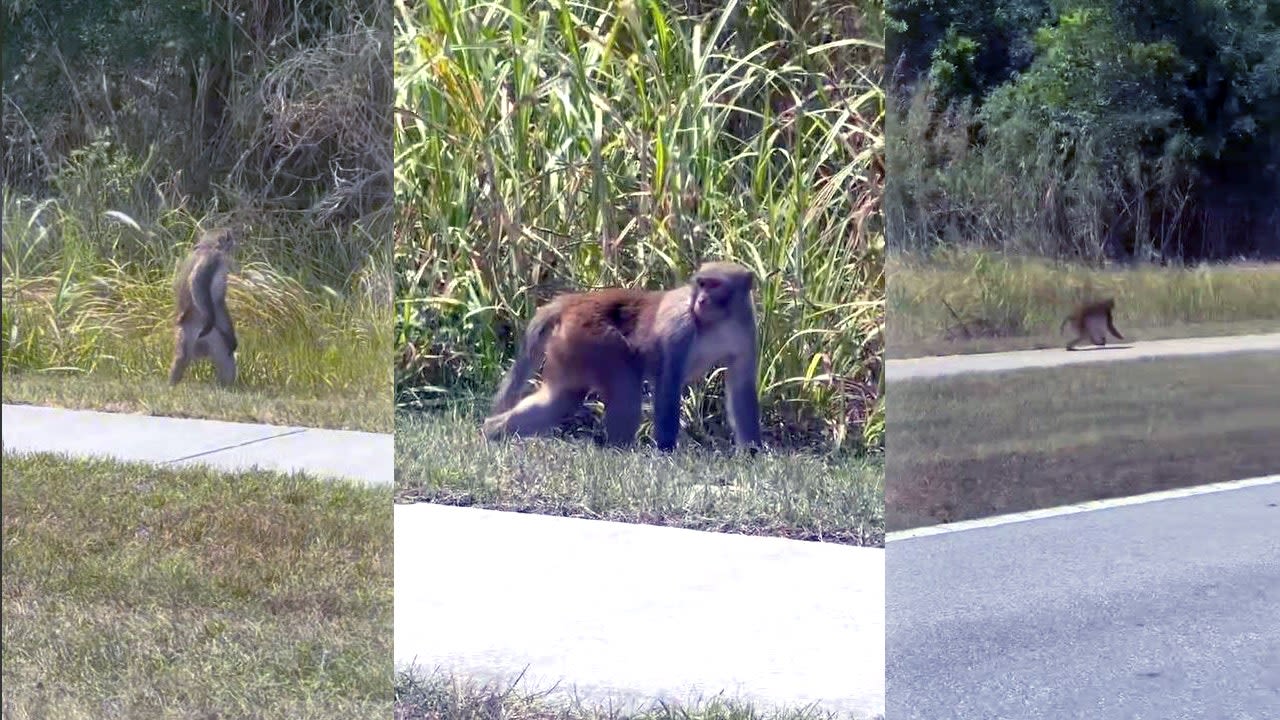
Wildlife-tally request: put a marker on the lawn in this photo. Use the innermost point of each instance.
(137, 592)
(430, 697)
(361, 408)
(441, 457)
(974, 446)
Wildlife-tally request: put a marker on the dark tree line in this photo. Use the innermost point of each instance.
(1146, 129)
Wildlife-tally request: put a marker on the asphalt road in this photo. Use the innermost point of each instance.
(1159, 611)
(361, 456)
(623, 615)
(942, 366)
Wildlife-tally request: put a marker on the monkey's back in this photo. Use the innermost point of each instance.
(600, 333)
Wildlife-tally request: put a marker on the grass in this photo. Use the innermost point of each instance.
(544, 147)
(982, 445)
(131, 591)
(1018, 303)
(82, 329)
(362, 409)
(438, 695)
(441, 458)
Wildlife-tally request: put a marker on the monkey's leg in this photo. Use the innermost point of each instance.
(622, 412)
(1072, 345)
(182, 351)
(537, 414)
(224, 363)
(743, 404)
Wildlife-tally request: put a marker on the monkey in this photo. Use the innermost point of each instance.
(1091, 321)
(610, 341)
(203, 325)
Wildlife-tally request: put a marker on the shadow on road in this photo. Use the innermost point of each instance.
(1100, 347)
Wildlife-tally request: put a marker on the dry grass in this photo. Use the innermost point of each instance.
(438, 696)
(131, 591)
(1018, 303)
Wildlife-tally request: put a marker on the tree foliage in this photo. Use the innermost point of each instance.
(1141, 128)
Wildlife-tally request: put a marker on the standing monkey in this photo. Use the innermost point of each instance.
(204, 326)
(610, 341)
(1092, 321)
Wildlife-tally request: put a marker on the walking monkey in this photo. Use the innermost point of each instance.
(204, 326)
(1092, 321)
(610, 341)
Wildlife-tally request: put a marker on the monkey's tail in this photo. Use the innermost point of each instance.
(202, 293)
(1063, 326)
(529, 359)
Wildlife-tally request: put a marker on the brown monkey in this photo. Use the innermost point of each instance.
(204, 326)
(1092, 321)
(610, 341)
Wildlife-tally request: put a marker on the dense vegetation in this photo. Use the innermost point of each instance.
(129, 124)
(543, 146)
(1086, 128)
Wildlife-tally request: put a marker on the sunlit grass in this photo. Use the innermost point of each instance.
(441, 457)
(132, 591)
(98, 310)
(543, 147)
(1009, 302)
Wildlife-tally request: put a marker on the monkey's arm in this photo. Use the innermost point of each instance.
(666, 392)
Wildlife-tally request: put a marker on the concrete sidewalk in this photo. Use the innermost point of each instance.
(628, 614)
(942, 366)
(361, 456)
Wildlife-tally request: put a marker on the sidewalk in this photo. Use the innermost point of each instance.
(944, 365)
(627, 614)
(361, 456)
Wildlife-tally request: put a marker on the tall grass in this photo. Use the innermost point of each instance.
(951, 296)
(546, 146)
(89, 300)
(117, 153)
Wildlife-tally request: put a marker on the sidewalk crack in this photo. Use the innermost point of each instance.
(298, 431)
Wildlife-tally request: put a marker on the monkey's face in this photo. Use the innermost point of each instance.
(715, 295)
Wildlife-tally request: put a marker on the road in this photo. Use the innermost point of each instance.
(361, 456)
(1166, 609)
(942, 366)
(629, 614)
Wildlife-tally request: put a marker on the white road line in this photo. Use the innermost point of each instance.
(1079, 508)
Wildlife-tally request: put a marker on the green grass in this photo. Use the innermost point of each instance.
(362, 409)
(73, 315)
(669, 133)
(1017, 303)
(441, 457)
(438, 695)
(136, 592)
(974, 446)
